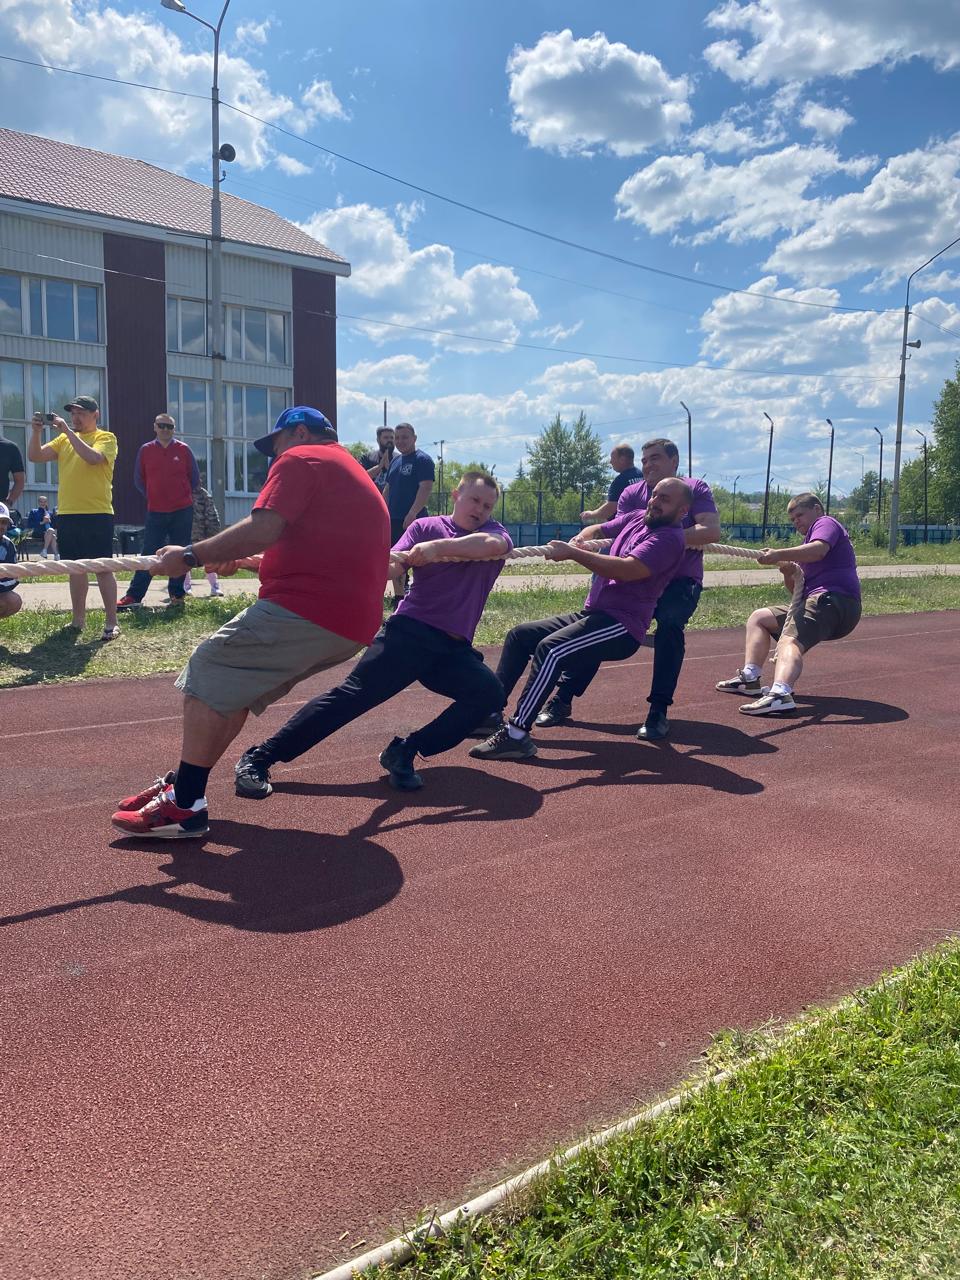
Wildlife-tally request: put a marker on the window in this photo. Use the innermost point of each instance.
(11, 315)
(256, 335)
(186, 324)
(26, 389)
(188, 401)
(49, 308)
(249, 412)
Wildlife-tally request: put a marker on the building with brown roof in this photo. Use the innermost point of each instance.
(104, 280)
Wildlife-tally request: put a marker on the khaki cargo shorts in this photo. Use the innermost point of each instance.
(825, 616)
(258, 656)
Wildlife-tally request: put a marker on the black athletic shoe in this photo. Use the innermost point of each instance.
(252, 777)
(486, 728)
(397, 759)
(502, 747)
(555, 712)
(655, 728)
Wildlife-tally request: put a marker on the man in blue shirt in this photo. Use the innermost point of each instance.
(623, 461)
(408, 487)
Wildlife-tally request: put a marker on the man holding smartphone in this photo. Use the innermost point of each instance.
(376, 463)
(85, 455)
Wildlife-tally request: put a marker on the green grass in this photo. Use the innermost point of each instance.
(37, 648)
(833, 1156)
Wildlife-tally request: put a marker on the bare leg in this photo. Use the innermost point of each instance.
(78, 598)
(761, 629)
(207, 733)
(108, 591)
(50, 542)
(789, 663)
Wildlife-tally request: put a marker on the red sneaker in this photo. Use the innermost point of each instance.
(128, 602)
(162, 818)
(148, 793)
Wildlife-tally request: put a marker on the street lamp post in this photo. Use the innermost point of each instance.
(895, 496)
(766, 491)
(733, 513)
(218, 460)
(830, 466)
(880, 479)
(925, 516)
(689, 440)
(440, 501)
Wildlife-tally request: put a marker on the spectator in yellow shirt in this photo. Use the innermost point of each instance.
(85, 455)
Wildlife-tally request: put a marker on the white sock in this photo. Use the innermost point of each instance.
(516, 733)
(750, 671)
(782, 688)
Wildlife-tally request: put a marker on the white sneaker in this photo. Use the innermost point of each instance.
(770, 704)
(215, 591)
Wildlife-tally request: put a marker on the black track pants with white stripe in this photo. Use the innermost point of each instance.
(566, 644)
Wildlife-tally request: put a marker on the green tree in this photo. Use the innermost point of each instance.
(521, 498)
(945, 451)
(358, 449)
(567, 457)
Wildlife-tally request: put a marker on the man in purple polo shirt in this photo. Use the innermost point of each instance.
(429, 638)
(647, 548)
(831, 608)
(659, 460)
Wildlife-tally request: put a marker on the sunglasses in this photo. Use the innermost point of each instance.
(164, 426)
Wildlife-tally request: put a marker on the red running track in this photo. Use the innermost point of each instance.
(243, 1058)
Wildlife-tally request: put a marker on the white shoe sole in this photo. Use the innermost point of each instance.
(769, 711)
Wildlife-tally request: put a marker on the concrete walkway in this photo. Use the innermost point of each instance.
(38, 594)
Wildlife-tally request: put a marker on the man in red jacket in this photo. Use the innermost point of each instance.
(166, 473)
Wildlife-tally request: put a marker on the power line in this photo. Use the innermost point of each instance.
(933, 324)
(461, 204)
(500, 342)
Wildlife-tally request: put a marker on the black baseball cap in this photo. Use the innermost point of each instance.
(83, 402)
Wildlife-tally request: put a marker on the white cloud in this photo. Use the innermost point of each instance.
(750, 200)
(826, 122)
(557, 333)
(253, 33)
(394, 371)
(573, 96)
(168, 131)
(292, 167)
(805, 39)
(908, 211)
(937, 282)
(393, 282)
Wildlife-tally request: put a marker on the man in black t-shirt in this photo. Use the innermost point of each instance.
(622, 459)
(409, 485)
(12, 474)
(376, 463)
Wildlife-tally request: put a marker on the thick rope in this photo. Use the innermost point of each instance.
(110, 564)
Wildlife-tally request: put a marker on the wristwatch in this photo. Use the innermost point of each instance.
(190, 557)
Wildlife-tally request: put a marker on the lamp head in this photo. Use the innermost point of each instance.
(917, 343)
(176, 5)
(829, 423)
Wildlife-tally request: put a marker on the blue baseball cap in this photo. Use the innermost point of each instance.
(311, 418)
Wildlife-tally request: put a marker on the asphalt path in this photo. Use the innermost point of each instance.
(249, 1057)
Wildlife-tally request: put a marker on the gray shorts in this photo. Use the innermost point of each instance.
(258, 657)
(825, 616)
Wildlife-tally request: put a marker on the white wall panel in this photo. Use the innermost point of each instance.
(31, 246)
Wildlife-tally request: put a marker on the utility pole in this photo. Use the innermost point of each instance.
(440, 501)
(766, 491)
(689, 440)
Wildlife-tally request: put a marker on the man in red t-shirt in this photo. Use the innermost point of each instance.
(316, 608)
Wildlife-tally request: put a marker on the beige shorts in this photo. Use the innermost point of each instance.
(259, 656)
(825, 616)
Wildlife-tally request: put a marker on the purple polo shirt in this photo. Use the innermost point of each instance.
(449, 596)
(636, 497)
(837, 571)
(633, 603)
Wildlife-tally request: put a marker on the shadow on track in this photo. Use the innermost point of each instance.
(275, 881)
(815, 712)
(704, 736)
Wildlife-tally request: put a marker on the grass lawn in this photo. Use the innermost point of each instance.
(833, 1156)
(36, 647)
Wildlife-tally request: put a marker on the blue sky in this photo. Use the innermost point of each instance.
(806, 149)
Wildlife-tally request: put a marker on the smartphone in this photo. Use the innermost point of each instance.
(49, 417)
